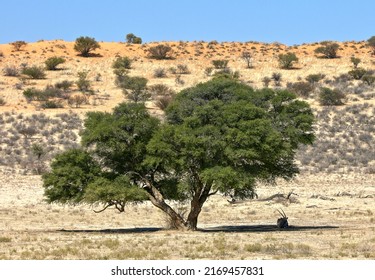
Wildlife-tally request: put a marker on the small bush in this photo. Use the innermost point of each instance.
(368, 79)
(51, 104)
(160, 73)
(64, 85)
(301, 88)
(277, 78)
(220, 63)
(18, 45)
(180, 69)
(52, 62)
(122, 63)
(134, 88)
(83, 83)
(287, 60)
(330, 97)
(371, 43)
(85, 45)
(355, 61)
(266, 81)
(315, 78)
(162, 102)
(34, 72)
(160, 90)
(248, 57)
(357, 73)
(159, 52)
(11, 71)
(328, 49)
(2, 101)
(77, 100)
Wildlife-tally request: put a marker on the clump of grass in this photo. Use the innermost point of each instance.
(4, 239)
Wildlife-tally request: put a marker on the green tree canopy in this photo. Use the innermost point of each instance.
(218, 137)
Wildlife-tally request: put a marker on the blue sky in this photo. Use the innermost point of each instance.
(286, 21)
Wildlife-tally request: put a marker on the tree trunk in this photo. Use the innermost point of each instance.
(196, 204)
(157, 200)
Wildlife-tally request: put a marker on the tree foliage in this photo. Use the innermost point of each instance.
(287, 60)
(371, 43)
(160, 51)
(85, 45)
(52, 62)
(219, 137)
(132, 39)
(328, 49)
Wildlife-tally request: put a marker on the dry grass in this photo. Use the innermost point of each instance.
(341, 227)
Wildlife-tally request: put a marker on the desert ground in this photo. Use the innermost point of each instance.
(331, 208)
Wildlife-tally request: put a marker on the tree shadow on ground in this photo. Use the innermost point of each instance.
(237, 228)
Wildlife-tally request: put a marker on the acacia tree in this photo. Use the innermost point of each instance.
(219, 137)
(85, 45)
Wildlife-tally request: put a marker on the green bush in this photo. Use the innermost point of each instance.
(51, 104)
(159, 51)
(328, 49)
(64, 85)
(52, 62)
(83, 83)
(371, 43)
(134, 88)
(85, 45)
(330, 97)
(357, 73)
(315, 78)
(220, 63)
(286, 60)
(34, 72)
(132, 39)
(122, 65)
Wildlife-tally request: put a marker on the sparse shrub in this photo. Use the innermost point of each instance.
(51, 104)
(64, 85)
(315, 78)
(266, 81)
(83, 83)
(18, 45)
(208, 71)
(2, 101)
(134, 88)
(77, 100)
(34, 72)
(368, 79)
(328, 49)
(227, 73)
(357, 73)
(286, 60)
(52, 62)
(220, 63)
(162, 102)
(301, 88)
(160, 90)
(11, 71)
(121, 65)
(179, 81)
(277, 78)
(330, 97)
(180, 69)
(371, 43)
(85, 45)
(355, 61)
(33, 94)
(160, 73)
(132, 39)
(159, 51)
(248, 57)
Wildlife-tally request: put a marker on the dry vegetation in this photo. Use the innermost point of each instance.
(332, 216)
